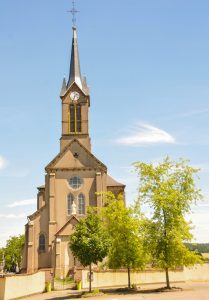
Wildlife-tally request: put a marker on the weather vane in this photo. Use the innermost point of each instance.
(73, 11)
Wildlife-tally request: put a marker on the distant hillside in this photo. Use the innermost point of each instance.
(202, 248)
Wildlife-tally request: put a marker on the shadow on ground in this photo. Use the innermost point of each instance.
(70, 296)
(126, 291)
(119, 291)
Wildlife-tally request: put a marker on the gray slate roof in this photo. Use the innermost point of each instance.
(75, 71)
(113, 182)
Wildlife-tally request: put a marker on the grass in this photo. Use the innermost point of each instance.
(64, 280)
(95, 292)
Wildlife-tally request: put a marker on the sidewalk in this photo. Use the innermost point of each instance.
(190, 291)
(66, 294)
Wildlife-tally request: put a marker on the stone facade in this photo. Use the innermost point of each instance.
(73, 179)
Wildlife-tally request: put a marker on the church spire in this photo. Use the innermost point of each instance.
(75, 72)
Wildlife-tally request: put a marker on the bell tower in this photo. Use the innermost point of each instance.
(75, 102)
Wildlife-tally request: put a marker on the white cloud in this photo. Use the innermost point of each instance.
(23, 203)
(201, 224)
(14, 230)
(12, 216)
(3, 162)
(146, 134)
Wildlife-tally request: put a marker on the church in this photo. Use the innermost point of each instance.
(73, 180)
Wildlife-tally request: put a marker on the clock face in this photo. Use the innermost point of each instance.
(74, 96)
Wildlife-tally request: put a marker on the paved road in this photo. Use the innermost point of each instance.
(191, 291)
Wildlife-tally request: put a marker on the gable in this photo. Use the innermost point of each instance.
(75, 156)
(68, 228)
(75, 87)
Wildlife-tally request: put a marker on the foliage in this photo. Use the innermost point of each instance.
(65, 280)
(1, 253)
(169, 189)
(96, 291)
(126, 238)
(13, 252)
(134, 286)
(200, 247)
(205, 259)
(89, 242)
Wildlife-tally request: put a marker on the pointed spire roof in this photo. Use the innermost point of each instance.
(75, 72)
(64, 88)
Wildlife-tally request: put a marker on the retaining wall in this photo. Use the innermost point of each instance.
(12, 287)
(120, 278)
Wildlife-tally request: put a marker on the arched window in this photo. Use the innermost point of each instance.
(70, 200)
(42, 243)
(81, 204)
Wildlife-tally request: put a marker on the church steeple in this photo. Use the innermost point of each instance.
(75, 72)
(75, 102)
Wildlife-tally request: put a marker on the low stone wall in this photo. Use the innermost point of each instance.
(197, 273)
(120, 278)
(2, 288)
(12, 287)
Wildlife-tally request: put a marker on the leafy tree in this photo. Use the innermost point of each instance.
(169, 189)
(13, 252)
(1, 259)
(126, 238)
(89, 242)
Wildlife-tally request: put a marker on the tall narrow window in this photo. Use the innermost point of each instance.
(70, 200)
(81, 204)
(72, 118)
(78, 118)
(42, 243)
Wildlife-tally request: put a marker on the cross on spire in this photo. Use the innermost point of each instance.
(73, 11)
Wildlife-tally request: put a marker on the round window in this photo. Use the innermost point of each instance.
(75, 182)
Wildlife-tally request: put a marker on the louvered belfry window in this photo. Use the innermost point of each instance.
(78, 118)
(74, 119)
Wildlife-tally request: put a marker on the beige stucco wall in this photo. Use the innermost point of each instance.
(21, 285)
(53, 215)
(120, 278)
(64, 257)
(62, 190)
(199, 272)
(2, 288)
(83, 101)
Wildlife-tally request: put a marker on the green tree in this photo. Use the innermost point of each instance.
(1, 259)
(13, 252)
(126, 250)
(169, 189)
(89, 242)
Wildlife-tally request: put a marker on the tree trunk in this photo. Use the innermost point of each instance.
(129, 278)
(166, 251)
(90, 279)
(167, 279)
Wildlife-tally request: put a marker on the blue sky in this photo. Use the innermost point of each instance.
(147, 66)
